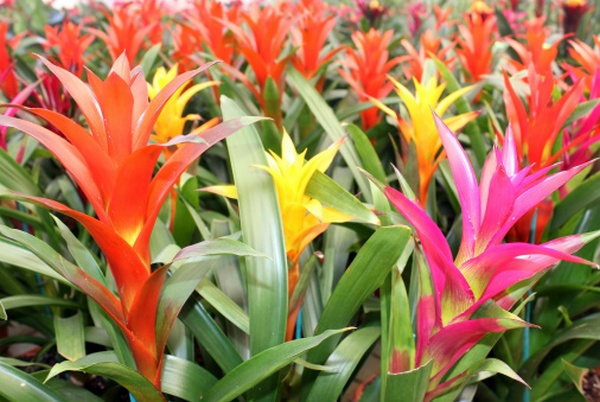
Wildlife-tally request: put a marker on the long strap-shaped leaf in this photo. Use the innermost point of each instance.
(253, 371)
(20, 386)
(262, 230)
(366, 273)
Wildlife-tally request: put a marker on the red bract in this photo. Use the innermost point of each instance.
(475, 42)
(262, 44)
(537, 51)
(114, 166)
(124, 33)
(309, 35)
(206, 22)
(69, 44)
(537, 127)
(587, 59)
(367, 67)
(8, 79)
(431, 46)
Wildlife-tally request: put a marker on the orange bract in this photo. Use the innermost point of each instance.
(367, 67)
(114, 166)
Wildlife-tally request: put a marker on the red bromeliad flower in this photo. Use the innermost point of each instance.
(367, 68)
(9, 84)
(588, 61)
(484, 268)
(114, 166)
(262, 46)
(70, 46)
(475, 42)
(309, 35)
(124, 33)
(537, 52)
(431, 46)
(207, 22)
(537, 128)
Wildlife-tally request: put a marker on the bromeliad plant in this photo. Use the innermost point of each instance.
(113, 164)
(102, 155)
(470, 294)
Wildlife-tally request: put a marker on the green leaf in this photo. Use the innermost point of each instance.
(213, 247)
(80, 253)
(259, 367)
(581, 110)
(18, 256)
(583, 196)
(329, 385)
(184, 379)
(28, 300)
(223, 304)
(149, 58)
(587, 328)
(330, 123)
(365, 274)
(262, 229)
(366, 152)
(20, 386)
(210, 335)
(331, 194)
(70, 338)
(412, 385)
(107, 364)
(576, 374)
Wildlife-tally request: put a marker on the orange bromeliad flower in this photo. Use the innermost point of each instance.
(123, 33)
(475, 43)
(206, 22)
(70, 46)
(9, 84)
(420, 130)
(430, 47)
(367, 67)
(537, 51)
(262, 46)
(114, 166)
(309, 35)
(588, 60)
(537, 128)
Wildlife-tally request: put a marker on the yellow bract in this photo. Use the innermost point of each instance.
(171, 121)
(303, 217)
(421, 127)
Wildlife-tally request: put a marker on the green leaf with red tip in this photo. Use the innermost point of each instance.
(412, 385)
(74, 274)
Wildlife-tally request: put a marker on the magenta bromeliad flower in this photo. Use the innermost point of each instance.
(485, 268)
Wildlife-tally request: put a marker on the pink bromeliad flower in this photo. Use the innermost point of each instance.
(485, 268)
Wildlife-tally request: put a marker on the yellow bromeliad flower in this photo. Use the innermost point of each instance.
(421, 127)
(171, 122)
(303, 217)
